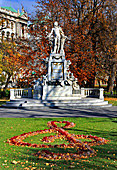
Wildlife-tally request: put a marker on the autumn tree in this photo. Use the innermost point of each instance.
(34, 51)
(78, 49)
(107, 41)
(10, 62)
(94, 14)
(84, 22)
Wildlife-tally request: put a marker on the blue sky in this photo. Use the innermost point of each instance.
(28, 4)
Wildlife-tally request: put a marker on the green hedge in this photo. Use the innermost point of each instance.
(4, 94)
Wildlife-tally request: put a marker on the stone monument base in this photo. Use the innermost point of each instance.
(57, 92)
(37, 94)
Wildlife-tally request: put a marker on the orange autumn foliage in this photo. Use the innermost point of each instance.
(10, 62)
(83, 22)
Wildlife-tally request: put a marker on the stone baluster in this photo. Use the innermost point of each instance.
(101, 94)
(12, 94)
(29, 92)
(16, 93)
(21, 92)
(82, 92)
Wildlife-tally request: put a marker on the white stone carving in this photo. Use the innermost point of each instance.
(58, 37)
(75, 85)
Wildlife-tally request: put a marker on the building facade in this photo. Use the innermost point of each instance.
(13, 24)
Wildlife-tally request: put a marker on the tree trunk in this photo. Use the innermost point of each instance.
(116, 80)
(111, 79)
(116, 83)
(7, 82)
(99, 83)
(91, 83)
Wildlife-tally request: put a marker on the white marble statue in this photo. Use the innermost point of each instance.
(58, 38)
(75, 85)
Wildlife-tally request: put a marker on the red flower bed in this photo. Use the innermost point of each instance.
(83, 149)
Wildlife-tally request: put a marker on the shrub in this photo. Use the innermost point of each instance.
(4, 94)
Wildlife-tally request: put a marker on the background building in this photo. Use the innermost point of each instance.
(13, 23)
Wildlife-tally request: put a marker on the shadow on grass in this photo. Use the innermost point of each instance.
(105, 153)
(101, 133)
(103, 158)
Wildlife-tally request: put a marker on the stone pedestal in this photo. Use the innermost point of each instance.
(56, 92)
(57, 66)
(55, 85)
(37, 93)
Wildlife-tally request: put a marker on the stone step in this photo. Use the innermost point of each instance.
(17, 102)
(54, 102)
(32, 103)
(65, 104)
(75, 101)
(20, 100)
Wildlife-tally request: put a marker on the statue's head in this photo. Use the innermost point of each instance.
(55, 23)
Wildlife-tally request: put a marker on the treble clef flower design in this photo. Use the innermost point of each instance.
(83, 149)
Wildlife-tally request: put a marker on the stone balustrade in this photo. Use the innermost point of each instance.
(84, 92)
(92, 92)
(20, 93)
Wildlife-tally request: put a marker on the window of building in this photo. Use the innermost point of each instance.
(12, 25)
(12, 35)
(3, 23)
(23, 31)
(7, 23)
(3, 35)
(7, 35)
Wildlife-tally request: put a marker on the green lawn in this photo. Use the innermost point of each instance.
(112, 101)
(3, 101)
(16, 158)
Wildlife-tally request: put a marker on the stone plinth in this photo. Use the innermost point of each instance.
(51, 92)
(57, 66)
(55, 84)
(37, 93)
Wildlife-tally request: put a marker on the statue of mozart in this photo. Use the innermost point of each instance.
(58, 37)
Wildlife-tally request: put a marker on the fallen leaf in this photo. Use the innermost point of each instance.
(14, 162)
(72, 167)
